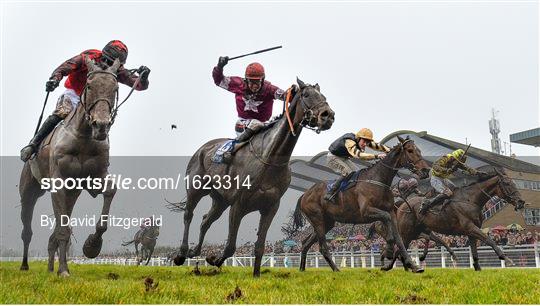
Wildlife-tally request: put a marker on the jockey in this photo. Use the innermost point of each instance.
(76, 71)
(254, 97)
(145, 224)
(440, 171)
(351, 146)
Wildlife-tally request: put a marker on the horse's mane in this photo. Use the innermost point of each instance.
(390, 155)
(480, 180)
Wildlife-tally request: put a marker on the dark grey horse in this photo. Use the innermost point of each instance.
(147, 238)
(264, 161)
(462, 216)
(77, 149)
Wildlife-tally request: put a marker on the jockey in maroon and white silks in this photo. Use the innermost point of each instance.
(253, 94)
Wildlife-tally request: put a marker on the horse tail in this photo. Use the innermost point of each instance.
(128, 243)
(176, 207)
(298, 218)
(372, 231)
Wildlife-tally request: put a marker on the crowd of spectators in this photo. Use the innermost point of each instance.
(347, 238)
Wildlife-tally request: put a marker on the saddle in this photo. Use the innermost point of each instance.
(231, 146)
(345, 184)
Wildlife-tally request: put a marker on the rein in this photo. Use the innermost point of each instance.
(308, 113)
(135, 84)
(113, 106)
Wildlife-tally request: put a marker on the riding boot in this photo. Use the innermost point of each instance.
(49, 124)
(334, 190)
(246, 135)
(428, 203)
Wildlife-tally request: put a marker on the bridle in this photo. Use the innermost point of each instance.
(509, 196)
(87, 108)
(309, 117)
(113, 106)
(409, 164)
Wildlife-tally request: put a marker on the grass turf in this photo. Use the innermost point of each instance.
(111, 284)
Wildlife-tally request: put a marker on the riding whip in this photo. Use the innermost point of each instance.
(256, 52)
(42, 110)
(466, 150)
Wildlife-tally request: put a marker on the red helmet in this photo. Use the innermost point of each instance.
(116, 49)
(255, 71)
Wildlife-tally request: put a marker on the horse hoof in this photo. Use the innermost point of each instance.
(477, 267)
(385, 268)
(64, 274)
(179, 260)
(417, 270)
(212, 260)
(24, 268)
(508, 262)
(92, 246)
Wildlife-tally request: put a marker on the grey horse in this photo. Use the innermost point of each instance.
(263, 161)
(147, 238)
(77, 149)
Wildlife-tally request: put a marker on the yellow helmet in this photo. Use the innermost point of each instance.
(365, 133)
(459, 155)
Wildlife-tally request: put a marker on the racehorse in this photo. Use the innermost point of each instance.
(369, 200)
(77, 149)
(461, 215)
(264, 162)
(147, 237)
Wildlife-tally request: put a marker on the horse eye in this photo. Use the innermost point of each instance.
(306, 94)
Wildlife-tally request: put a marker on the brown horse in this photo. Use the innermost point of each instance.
(147, 238)
(369, 200)
(388, 253)
(75, 150)
(462, 215)
(264, 161)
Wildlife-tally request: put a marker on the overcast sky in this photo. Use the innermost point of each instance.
(434, 66)
(388, 65)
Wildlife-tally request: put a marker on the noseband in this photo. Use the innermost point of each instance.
(88, 108)
(309, 114)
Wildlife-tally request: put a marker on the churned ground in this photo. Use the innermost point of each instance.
(110, 284)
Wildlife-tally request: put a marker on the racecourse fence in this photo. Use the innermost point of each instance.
(523, 256)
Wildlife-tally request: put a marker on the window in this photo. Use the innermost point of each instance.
(528, 185)
(532, 216)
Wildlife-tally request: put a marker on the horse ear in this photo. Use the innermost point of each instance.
(90, 64)
(400, 139)
(114, 66)
(300, 83)
(317, 86)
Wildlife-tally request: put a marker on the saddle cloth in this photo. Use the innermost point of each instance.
(227, 146)
(346, 184)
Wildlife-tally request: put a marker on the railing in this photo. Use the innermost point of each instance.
(488, 213)
(523, 256)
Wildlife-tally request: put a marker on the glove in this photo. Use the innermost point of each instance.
(223, 60)
(51, 85)
(380, 156)
(143, 71)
